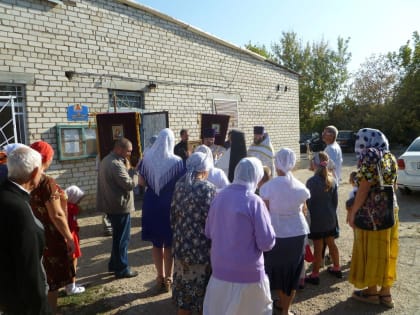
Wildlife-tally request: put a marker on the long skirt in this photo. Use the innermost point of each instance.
(374, 258)
(229, 298)
(189, 285)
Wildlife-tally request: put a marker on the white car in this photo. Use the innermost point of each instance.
(409, 168)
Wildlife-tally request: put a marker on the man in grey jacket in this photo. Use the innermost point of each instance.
(115, 197)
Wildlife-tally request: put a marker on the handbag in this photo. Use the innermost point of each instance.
(377, 213)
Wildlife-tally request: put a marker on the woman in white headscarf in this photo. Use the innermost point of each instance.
(373, 267)
(158, 172)
(216, 176)
(190, 205)
(240, 230)
(285, 197)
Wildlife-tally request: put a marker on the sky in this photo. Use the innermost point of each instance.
(373, 26)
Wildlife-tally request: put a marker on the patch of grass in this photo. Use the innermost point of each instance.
(89, 302)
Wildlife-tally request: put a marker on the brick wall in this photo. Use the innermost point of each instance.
(110, 38)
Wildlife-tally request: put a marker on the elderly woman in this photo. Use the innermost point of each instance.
(47, 207)
(215, 175)
(240, 230)
(374, 259)
(190, 205)
(285, 198)
(159, 171)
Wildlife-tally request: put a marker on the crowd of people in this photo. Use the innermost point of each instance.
(229, 227)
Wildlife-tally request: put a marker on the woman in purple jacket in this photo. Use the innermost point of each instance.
(240, 230)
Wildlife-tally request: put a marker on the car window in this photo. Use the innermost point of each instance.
(415, 146)
(345, 134)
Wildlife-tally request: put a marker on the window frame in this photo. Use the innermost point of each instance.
(83, 139)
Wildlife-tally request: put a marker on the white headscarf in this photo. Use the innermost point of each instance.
(74, 194)
(248, 172)
(207, 151)
(285, 160)
(197, 162)
(160, 164)
(370, 138)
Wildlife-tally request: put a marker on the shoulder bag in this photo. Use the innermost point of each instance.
(377, 213)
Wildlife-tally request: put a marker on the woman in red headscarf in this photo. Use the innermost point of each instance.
(46, 202)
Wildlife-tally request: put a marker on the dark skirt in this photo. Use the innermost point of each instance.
(284, 263)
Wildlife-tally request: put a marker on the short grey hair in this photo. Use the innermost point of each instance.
(22, 162)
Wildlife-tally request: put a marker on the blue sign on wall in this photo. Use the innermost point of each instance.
(77, 112)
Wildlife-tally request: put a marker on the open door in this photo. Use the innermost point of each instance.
(151, 124)
(111, 126)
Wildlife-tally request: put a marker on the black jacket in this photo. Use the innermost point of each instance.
(23, 287)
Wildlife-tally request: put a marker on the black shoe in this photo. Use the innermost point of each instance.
(127, 274)
(336, 273)
(312, 280)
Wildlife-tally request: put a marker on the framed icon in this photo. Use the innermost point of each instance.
(117, 132)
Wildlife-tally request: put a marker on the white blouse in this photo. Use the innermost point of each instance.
(286, 196)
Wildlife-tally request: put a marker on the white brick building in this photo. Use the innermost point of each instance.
(106, 46)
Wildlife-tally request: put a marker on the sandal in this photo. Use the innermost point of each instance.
(312, 280)
(160, 282)
(168, 284)
(366, 297)
(337, 273)
(386, 300)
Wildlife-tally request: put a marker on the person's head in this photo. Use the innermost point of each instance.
(74, 194)
(353, 178)
(248, 172)
(206, 150)
(329, 135)
(25, 167)
(285, 161)
(184, 135)
(198, 166)
(123, 147)
(367, 138)
(209, 135)
(46, 152)
(258, 134)
(319, 164)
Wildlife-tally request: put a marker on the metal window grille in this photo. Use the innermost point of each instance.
(126, 101)
(12, 114)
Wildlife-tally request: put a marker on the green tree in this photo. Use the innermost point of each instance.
(406, 103)
(260, 50)
(323, 74)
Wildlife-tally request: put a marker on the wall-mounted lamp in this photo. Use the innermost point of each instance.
(285, 88)
(69, 74)
(278, 87)
(152, 86)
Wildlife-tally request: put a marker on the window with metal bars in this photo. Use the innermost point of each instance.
(125, 101)
(12, 120)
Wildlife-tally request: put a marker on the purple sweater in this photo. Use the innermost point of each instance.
(239, 227)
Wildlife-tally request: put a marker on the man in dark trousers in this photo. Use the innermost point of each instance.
(23, 285)
(181, 148)
(115, 197)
